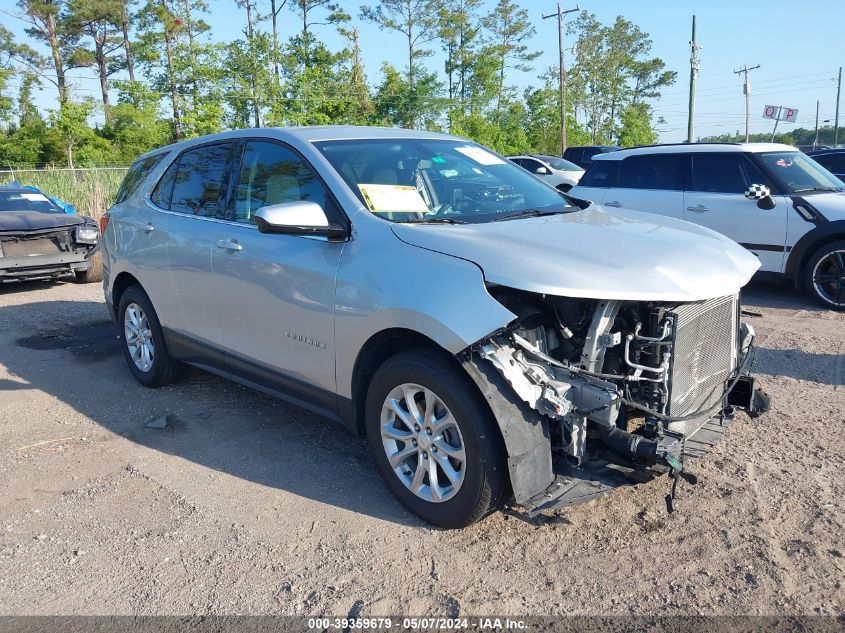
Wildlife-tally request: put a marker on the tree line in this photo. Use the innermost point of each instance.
(162, 77)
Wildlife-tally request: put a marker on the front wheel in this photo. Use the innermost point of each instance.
(94, 272)
(434, 440)
(824, 275)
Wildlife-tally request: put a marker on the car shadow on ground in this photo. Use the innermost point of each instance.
(826, 369)
(774, 292)
(211, 421)
(781, 294)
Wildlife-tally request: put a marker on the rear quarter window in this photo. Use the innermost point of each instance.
(136, 175)
(600, 173)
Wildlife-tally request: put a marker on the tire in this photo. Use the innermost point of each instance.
(162, 369)
(94, 273)
(824, 276)
(483, 485)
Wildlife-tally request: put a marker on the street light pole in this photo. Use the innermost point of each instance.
(562, 70)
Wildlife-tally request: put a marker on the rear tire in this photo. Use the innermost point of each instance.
(824, 276)
(94, 273)
(142, 340)
(465, 451)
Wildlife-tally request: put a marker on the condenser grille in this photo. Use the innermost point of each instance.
(704, 354)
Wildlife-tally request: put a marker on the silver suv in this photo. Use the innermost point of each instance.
(494, 340)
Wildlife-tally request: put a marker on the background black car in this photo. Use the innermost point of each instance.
(582, 155)
(831, 159)
(39, 240)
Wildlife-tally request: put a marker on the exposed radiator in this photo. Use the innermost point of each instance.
(705, 352)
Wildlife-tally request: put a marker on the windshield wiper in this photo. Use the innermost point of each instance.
(529, 213)
(434, 221)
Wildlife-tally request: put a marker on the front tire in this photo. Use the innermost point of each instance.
(142, 340)
(434, 440)
(94, 272)
(824, 276)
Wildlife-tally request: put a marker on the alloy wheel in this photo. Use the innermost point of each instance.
(829, 278)
(139, 337)
(423, 443)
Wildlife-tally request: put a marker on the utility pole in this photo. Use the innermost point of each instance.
(816, 141)
(746, 90)
(836, 118)
(693, 76)
(562, 82)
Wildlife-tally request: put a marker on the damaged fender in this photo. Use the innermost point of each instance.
(525, 431)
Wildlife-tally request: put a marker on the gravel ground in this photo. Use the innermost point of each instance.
(248, 505)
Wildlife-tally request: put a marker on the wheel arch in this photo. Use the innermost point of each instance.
(123, 281)
(808, 244)
(376, 350)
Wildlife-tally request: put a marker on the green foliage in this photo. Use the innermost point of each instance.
(636, 127)
(189, 85)
(612, 71)
(91, 191)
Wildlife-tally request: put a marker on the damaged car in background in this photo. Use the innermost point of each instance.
(40, 240)
(495, 340)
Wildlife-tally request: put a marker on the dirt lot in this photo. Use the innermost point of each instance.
(249, 505)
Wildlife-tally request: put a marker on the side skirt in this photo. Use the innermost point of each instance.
(254, 376)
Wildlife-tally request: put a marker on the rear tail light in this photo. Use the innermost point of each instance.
(104, 222)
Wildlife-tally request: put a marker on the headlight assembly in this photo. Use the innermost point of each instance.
(87, 235)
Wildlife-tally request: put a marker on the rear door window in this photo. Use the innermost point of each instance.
(723, 173)
(600, 173)
(136, 175)
(201, 180)
(658, 171)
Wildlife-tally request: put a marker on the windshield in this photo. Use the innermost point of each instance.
(448, 181)
(795, 172)
(559, 163)
(26, 201)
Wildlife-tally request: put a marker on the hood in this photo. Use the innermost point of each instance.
(597, 254)
(16, 221)
(830, 204)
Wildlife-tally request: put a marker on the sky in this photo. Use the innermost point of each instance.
(799, 47)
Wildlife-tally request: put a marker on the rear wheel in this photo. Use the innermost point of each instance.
(434, 440)
(144, 347)
(824, 275)
(94, 272)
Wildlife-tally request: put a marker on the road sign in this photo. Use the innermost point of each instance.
(780, 113)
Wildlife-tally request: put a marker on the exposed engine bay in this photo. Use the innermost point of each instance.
(611, 384)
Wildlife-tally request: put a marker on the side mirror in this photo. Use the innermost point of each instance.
(762, 195)
(542, 170)
(301, 217)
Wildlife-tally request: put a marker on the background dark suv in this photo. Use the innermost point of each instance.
(583, 155)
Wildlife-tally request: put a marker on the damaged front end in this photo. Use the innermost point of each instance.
(594, 394)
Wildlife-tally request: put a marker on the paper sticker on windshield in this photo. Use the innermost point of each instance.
(34, 197)
(393, 198)
(481, 156)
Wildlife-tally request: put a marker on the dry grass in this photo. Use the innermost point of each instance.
(91, 191)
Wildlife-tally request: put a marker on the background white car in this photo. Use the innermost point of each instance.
(559, 173)
(774, 200)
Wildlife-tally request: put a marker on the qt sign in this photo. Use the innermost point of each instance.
(780, 113)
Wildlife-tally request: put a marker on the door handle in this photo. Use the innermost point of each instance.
(149, 228)
(229, 245)
(699, 208)
(613, 203)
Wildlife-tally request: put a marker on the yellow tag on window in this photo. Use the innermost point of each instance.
(393, 198)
